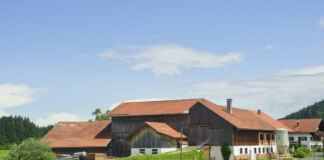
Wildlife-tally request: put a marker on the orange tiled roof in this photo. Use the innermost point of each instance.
(153, 107)
(305, 125)
(245, 119)
(240, 118)
(165, 129)
(79, 134)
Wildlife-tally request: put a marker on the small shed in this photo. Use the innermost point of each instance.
(155, 138)
(71, 137)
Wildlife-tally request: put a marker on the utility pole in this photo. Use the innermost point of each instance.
(181, 143)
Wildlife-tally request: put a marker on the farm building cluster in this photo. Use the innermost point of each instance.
(154, 127)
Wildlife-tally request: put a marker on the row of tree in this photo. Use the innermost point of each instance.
(315, 110)
(15, 129)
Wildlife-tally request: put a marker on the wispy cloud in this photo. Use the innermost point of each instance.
(304, 71)
(269, 47)
(321, 22)
(12, 95)
(168, 60)
(53, 118)
(277, 95)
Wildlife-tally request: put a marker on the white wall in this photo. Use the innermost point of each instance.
(250, 150)
(305, 143)
(216, 154)
(136, 151)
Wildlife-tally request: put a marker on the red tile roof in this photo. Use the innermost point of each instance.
(305, 125)
(165, 129)
(240, 118)
(79, 134)
(153, 107)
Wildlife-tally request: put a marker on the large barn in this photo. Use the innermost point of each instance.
(247, 132)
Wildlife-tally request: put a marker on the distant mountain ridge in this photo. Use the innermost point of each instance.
(313, 111)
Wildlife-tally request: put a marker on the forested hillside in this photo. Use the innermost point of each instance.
(16, 129)
(313, 111)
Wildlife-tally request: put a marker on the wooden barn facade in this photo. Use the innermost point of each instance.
(247, 132)
(155, 138)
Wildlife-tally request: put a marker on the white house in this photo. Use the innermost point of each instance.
(305, 131)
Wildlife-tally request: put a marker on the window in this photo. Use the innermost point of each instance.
(255, 150)
(246, 151)
(271, 150)
(142, 151)
(302, 138)
(259, 150)
(268, 136)
(263, 150)
(154, 151)
(291, 138)
(273, 137)
(241, 150)
(261, 136)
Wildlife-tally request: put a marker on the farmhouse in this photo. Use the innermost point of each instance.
(71, 137)
(305, 131)
(249, 133)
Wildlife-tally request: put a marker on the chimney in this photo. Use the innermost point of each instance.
(259, 112)
(297, 125)
(229, 106)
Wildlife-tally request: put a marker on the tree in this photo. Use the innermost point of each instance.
(226, 151)
(31, 149)
(99, 116)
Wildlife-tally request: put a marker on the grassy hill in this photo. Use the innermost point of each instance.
(313, 111)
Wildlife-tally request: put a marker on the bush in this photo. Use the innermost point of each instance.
(31, 149)
(299, 153)
(305, 149)
(319, 149)
(226, 151)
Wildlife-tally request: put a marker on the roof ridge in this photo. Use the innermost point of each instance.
(164, 100)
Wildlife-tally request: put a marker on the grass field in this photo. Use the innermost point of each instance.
(191, 155)
(3, 153)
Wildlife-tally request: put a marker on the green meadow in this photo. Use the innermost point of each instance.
(3, 153)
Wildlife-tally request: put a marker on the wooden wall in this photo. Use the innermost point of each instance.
(73, 150)
(248, 137)
(146, 137)
(123, 126)
(204, 124)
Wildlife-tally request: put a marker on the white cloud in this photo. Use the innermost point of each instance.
(269, 47)
(3, 113)
(304, 71)
(53, 118)
(276, 95)
(321, 22)
(113, 106)
(12, 95)
(168, 60)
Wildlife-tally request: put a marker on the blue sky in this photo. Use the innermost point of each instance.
(59, 60)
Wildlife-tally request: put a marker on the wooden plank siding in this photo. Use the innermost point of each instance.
(123, 126)
(204, 124)
(73, 150)
(146, 137)
(246, 138)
